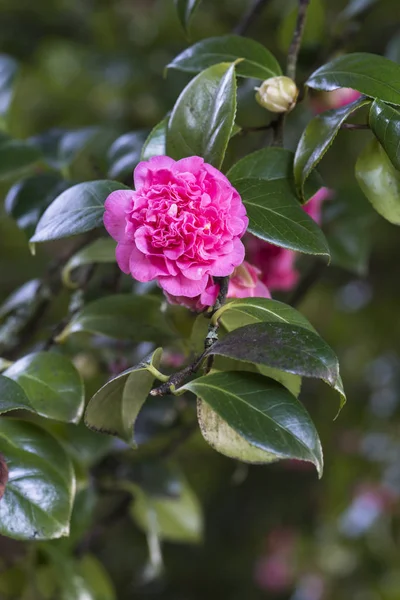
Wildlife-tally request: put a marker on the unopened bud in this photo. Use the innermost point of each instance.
(277, 94)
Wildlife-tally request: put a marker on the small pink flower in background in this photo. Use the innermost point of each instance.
(335, 99)
(181, 226)
(245, 282)
(277, 265)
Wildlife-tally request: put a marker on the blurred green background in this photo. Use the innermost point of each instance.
(270, 532)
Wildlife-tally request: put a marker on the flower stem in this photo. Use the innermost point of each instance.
(296, 40)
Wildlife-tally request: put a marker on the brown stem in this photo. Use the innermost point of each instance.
(296, 40)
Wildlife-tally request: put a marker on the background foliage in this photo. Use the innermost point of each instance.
(273, 531)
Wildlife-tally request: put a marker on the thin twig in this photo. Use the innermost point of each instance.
(296, 40)
(251, 16)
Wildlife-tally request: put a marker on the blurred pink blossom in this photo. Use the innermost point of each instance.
(335, 99)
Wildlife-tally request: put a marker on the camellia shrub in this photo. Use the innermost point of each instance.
(156, 316)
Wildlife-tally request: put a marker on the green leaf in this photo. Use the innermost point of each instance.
(379, 181)
(61, 147)
(100, 251)
(355, 8)
(186, 10)
(318, 137)
(156, 143)
(122, 316)
(12, 396)
(244, 311)
(52, 384)
(21, 297)
(16, 157)
(175, 519)
(272, 164)
(124, 154)
(385, 123)
(285, 347)
(77, 210)
(258, 61)
(115, 407)
(27, 199)
(203, 116)
(8, 71)
(38, 499)
(261, 411)
(370, 74)
(276, 216)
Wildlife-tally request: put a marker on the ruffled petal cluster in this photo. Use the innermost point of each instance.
(181, 226)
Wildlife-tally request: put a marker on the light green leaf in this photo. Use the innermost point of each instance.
(156, 143)
(115, 407)
(203, 117)
(77, 210)
(370, 74)
(318, 137)
(38, 499)
(276, 216)
(385, 123)
(52, 385)
(261, 411)
(258, 61)
(379, 181)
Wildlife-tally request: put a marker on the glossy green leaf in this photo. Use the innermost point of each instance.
(8, 71)
(124, 155)
(276, 216)
(270, 164)
(263, 412)
(77, 210)
(22, 297)
(12, 396)
(370, 74)
(156, 143)
(122, 316)
(285, 347)
(28, 199)
(385, 123)
(61, 147)
(115, 407)
(99, 251)
(379, 181)
(17, 157)
(258, 61)
(38, 499)
(244, 311)
(317, 138)
(203, 116)
(175, 519)
(186, 10)
(52, 384)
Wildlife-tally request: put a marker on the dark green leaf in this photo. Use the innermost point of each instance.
(186, 10)
(244, 311)
(8, 71)
(379, 181)
(38, 499)
(12, 396)
(203, 116)
(124, 154)
(16, 157)
(317, 137)
(272, 163)
(276, 216)
(52, 384)
(258, 61)
(122, 316)
(370, 74)
(21, 297)
(282, 346)
(263, 412)
(61, 147)
(115, 407)
(100, 251)
(78, 210)
(355, 8)
(156, 143)
(27, 199)
(385, 123)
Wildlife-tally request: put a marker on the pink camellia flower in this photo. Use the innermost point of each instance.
(245, 282)
(277, 264)
(335, 99)
(181, 226)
